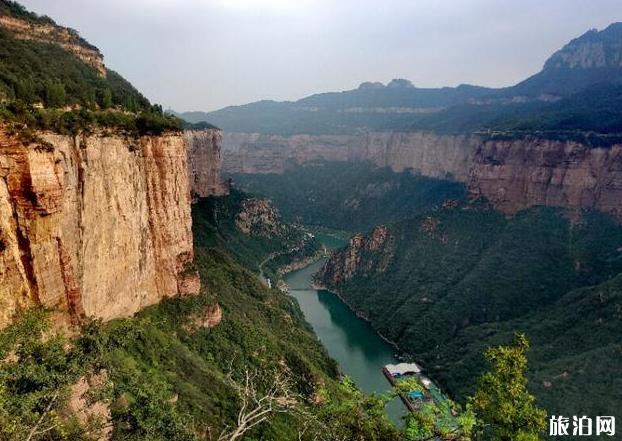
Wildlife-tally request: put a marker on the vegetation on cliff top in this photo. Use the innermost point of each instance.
(43, 86)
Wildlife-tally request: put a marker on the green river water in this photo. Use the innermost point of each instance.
(349, 340)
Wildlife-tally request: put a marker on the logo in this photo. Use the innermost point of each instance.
(582, 426)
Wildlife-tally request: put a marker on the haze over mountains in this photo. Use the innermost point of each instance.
(592, 60)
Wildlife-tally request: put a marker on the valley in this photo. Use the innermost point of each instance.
(246, 273)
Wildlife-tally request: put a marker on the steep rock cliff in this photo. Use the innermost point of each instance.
(363, 255)
(517, 174)
(424, 153)
(512, 174)
(95, 225)
(205, 163)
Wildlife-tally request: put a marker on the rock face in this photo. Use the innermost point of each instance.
(360, 256)
(258, 217)
(94, 225)
(517, 174)
(594, 49)
(430, 155)
(205, 163)
(513, 174)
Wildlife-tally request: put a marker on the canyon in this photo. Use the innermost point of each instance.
(99, 225)
(513, 174)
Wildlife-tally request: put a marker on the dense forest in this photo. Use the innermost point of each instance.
(350, 196)
(465, 277)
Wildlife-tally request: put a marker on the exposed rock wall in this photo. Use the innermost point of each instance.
(513, 174)
(205, 163)
(97, 225)
(363, 254)
(431, 155)
(523, 173)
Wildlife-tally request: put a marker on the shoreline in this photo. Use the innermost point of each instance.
(359, 315)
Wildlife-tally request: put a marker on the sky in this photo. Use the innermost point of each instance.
(208, 54)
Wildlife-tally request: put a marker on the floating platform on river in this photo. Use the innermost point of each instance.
(414, 399)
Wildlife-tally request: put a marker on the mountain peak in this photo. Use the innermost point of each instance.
(594, 49)
(371, 85)
(400, 83)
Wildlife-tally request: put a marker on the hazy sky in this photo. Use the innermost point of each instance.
(207, 54)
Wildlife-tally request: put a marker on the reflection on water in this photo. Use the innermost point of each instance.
(360, 352)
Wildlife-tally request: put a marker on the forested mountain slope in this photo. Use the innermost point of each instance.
(448, 283)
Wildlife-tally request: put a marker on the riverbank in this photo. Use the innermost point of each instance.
(358, 314)
(358, 350)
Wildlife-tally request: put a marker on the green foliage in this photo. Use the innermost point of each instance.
(34, 72)
(505, 408)
(106, 99)
(465, 278)
(24, 119)
(214, 218)
(349, 196)
(55, 94)
(349, 414)
(36, 370)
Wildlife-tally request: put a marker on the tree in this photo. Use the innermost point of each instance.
(25, 91)
(435, 420)
(55, 95)
(258, 406)
(505, 409)
(106, 99)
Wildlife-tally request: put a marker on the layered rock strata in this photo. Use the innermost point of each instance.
(95, 225)
(512, 174)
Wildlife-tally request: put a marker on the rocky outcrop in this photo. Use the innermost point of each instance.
(512, 174)
(594, 49)
(48, 32)
(95, 225)
(209, 317)
(258, 217)
(363, 255)
(205, 163)
(90, 412)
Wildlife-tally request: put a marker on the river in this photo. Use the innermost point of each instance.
(349, 340)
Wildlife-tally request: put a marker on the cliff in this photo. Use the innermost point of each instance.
(512, 174)
(428, 154)
(364, 255)
(205, 163)
(95, 225)
(522, 173)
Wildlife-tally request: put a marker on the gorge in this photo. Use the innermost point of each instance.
(511, 174)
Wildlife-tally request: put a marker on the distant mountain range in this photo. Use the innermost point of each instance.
(590, 65)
